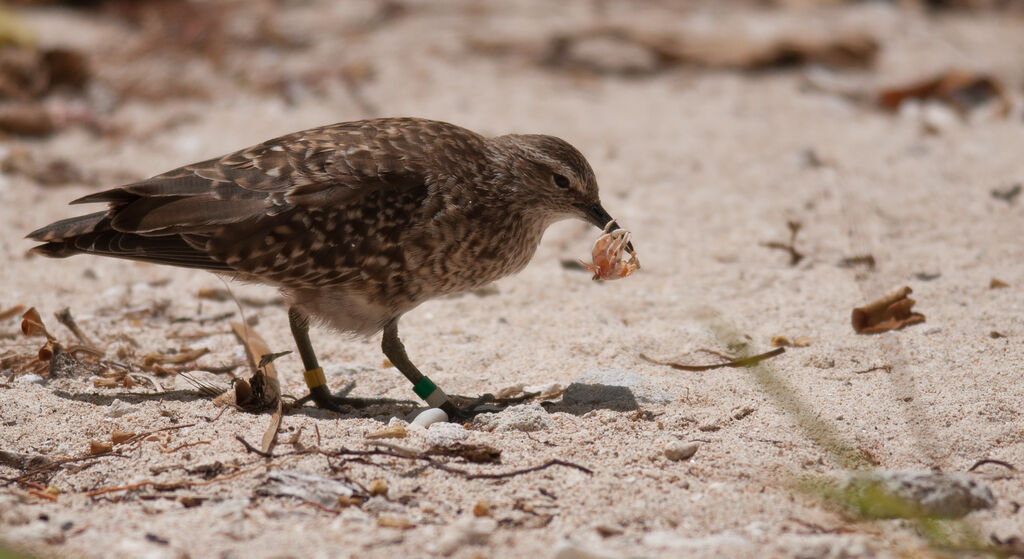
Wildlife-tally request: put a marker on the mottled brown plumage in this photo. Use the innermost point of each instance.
(356, 222)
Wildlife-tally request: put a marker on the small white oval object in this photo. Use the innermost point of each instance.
(430, 416)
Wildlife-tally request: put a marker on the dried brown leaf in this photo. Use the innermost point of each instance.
(962, 90)
(890, 312)
(393, 432)
(158, 358)
(118, 437)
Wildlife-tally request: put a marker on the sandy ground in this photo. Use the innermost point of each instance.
(702, 166)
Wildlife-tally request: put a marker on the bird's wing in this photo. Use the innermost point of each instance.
(216, 214)
(319, 168)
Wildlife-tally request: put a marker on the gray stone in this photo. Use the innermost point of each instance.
(614, 388)
(679, 450)
(304, 486)
(31, 378)
(119, 408)
(916, 493)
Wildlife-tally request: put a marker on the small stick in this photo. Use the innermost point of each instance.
(43, 495)
(252, 449)
(435, 463)
(184, 445)
(167, 486)
(984, 461)
(543, 466)
(742, 362)
(794, 255)
(65, 318)
(8, 313)
(886, 368)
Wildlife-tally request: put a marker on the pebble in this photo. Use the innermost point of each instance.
(524, 417)
(430, 416)
(31, 378)
(614, 388)
(119, 408)
(679, 450)
(378, 487)
(446, 434)
(937, 118)
(930, 493)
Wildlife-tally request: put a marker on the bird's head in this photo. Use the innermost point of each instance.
(550, 178)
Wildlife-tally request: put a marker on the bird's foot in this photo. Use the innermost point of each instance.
(465, 408)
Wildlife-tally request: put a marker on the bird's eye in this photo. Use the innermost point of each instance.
(561, 181)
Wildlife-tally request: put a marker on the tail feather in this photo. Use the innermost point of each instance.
(71, 227)
(93, 234)
(172, 249)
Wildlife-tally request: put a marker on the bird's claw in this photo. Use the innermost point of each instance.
(465, 408)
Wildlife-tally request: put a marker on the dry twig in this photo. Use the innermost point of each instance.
(742, 362)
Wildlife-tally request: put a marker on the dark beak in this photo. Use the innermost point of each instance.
(597, 215)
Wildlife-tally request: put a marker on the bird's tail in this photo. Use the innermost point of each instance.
(94, 234)
(65, 237)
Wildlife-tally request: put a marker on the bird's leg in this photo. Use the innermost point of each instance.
(314, 374)
(421, 385)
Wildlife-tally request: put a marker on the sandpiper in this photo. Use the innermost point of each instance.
(356, 223)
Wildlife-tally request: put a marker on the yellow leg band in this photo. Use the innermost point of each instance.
(315, 377)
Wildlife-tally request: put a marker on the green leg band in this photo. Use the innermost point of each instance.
(429, 392)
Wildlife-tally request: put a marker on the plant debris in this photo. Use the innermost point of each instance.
(891, 312)
(996, 283)
(1008, 194)
(184, 356)
(397, 452)
(28, 73)
(783, 341)
(397, 431)
(12, 311)
(265, 388)
(478, 453)
(865, 260)
(736, 363)
(964, 91)
(625, 51)
(795, 256)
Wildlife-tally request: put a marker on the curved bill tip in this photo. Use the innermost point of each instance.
(599, 217)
